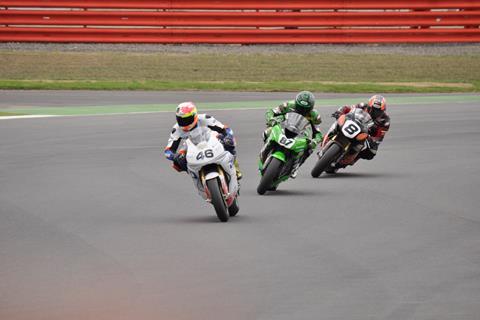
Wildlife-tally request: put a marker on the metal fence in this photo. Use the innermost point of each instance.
(244, 22)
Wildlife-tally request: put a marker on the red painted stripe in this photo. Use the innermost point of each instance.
(239, 36)
(240, 19)
(245, 4)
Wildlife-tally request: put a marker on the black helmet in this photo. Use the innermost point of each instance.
(304, 102)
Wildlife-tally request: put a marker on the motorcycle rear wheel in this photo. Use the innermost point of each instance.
(234, 208)
(269, 175)
(327, 158)
(218, 201)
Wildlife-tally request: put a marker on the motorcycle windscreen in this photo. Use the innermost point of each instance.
(362, 117)
(199, 134)
(295, 123)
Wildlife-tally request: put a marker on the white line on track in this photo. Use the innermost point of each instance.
(204, 110)
(28, 116)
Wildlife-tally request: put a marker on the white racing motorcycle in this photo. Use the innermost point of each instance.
(213, 172)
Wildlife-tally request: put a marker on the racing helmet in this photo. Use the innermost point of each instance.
(304, 102)
(186, 115)
(364, 106)
(378, 105)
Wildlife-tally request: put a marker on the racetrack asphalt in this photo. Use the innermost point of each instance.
(94, 224)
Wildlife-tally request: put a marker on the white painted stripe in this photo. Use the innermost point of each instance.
(206, 110)
(27, 116)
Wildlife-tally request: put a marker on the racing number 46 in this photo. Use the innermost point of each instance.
(208, 154)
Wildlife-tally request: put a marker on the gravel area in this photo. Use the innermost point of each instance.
(407, 49)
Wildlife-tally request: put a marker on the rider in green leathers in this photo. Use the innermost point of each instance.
(303, 104)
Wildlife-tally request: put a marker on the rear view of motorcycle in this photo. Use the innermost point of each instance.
(341, 145)
(213, 172)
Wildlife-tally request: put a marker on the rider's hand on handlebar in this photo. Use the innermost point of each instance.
(336, 114)
(275, 120)
(271, 122)
(180, 162)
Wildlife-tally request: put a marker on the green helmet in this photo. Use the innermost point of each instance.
(304, 102)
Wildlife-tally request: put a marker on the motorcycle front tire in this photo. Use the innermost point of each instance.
(218, 201)
(269, 175)
(327, 158)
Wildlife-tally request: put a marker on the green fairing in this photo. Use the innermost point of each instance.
(275, 133)
(289, 106)
(279, 155)
(299, 145)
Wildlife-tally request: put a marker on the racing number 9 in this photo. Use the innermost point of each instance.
(208, 154)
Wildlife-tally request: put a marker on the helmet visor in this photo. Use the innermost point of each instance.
(376, 113)
(186, 121)
(303, 110)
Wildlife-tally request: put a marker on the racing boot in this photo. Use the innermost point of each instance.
(299, 162)
(237, 169)
(294, 172)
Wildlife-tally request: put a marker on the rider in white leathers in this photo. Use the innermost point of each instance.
(189, 120)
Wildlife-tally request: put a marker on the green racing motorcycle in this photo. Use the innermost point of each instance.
(285, 144)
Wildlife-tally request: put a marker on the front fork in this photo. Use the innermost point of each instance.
(223, 183)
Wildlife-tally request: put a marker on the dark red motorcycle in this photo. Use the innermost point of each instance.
(343, 142)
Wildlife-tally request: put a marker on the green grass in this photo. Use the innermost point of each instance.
(7, 114)
(239, 86)
(326, 72)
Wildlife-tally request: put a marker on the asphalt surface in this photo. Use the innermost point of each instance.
(12, 99)
(94, 224)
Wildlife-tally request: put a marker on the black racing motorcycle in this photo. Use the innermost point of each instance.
(343, 142)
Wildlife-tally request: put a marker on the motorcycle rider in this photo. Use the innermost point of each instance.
(187, 120)
(303, 104)
(376, 107)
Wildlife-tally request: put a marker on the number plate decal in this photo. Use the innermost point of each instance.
(350, 129)
(286, 142)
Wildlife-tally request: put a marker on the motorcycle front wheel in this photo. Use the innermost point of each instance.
(327, 158)
(269, 175)
(218, 201)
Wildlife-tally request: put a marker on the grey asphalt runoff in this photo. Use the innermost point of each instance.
(94, 224)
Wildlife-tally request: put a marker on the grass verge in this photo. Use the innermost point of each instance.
(8, 114)
(350, 87)
(325, 72)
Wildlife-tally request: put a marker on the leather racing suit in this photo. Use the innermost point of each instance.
(177, 136)
(381, 124)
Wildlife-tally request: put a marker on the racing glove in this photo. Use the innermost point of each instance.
(336, 114)
(180, 162)
(169, 154)
(274, 120)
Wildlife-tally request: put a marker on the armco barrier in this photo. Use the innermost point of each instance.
(200, 21)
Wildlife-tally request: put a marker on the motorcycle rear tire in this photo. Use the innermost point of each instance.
(327, 158)
(218, 201)
(234, 208)
(269, 175)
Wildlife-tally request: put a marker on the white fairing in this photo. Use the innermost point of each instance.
(203, 148)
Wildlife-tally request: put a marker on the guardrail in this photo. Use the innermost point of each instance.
(193, 21)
